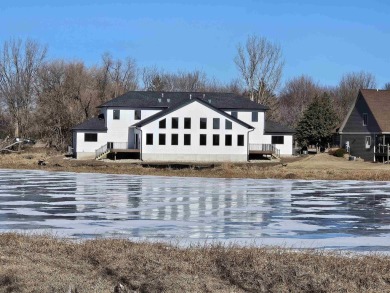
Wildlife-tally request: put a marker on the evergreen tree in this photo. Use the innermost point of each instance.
(317, 124)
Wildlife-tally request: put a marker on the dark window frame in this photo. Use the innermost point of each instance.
(255, 116)
(90, 137)
(202, 123)
(240, 140)
(116, 114)
(187, 123)
(277, 139)
(175, 122)
(365, 119)
(216, 123)
(203, 139)
(215, 139)
(162, 139)
(228, 140)
(187, 139)
(174, 139)
(162, 124)
(137, 115)
(149, 139)
(228, 124)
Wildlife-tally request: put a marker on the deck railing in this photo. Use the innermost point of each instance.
(118, 146)
(263, 147)
(103, 149)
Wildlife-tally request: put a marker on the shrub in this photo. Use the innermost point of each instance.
(339, 152)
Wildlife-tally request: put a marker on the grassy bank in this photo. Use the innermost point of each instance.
(320, 166)
(47, 264)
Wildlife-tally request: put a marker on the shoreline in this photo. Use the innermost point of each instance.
(311, 167)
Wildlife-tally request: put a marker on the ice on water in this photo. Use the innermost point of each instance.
(295, 213)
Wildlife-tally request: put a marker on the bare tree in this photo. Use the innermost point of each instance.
(296, 95)
(387, 86)
(19, 65)
(260, 65)
(348, 89)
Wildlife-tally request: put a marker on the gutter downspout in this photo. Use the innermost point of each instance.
(140, 144)
(247, 138)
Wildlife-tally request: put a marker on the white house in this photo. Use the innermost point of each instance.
(182, 126)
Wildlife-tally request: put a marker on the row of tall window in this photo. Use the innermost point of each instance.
(162, 124)
(215, 139)
(117, 114)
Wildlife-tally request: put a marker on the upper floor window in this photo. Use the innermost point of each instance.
(203, 123)
(228, 124)
(277, 139)
(175, 122)
(187, 123)
(365, 118)
(117, 114)
(240, 140)
(149, 138)
(215, 123)
(137, 115)
(255, 116)
(235, 114)
(90, 136)
(162, 123)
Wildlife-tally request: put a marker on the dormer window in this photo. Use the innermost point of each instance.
(365, 118)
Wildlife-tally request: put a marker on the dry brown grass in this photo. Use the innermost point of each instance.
(320, 166)
(47, 264)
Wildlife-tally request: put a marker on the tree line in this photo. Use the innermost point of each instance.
(43, 99)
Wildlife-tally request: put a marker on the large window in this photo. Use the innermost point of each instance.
(277, 139)
(137, 115)
(215, 123)
(203, 123)
(149, 138)
(255, 116)
(240, 140)
(162, 123)
(228, 124)
(234, 114)
(187, 139)
(215, 139)
(187, 123)
(365, 118)
(175, 122)
(90, 136)
(174, 139)
(203, 139)
(117, 114)
(228, 139)
(161, 139)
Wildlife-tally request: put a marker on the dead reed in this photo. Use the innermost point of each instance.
(34, 263)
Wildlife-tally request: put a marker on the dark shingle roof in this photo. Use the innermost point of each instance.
(184, 103)
(274, 127)
(379, 103)
(142, 99)
(92, 124)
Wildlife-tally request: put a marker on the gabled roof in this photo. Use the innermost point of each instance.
(92, 124)
(185, 103)
(378, 101)
(274, 127)
(144, 99)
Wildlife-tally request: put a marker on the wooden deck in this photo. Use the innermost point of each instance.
(124, 150)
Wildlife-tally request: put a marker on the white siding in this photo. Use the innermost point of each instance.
(86, 149)
(285, 149)
(195, 151)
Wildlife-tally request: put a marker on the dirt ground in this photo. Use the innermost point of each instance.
(318, 166)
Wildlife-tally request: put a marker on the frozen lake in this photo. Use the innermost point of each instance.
(349, 215)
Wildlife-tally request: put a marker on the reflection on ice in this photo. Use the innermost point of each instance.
(333, 214)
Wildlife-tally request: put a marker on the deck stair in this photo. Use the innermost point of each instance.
(101, 152)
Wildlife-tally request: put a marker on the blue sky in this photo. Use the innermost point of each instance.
(322, 39)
